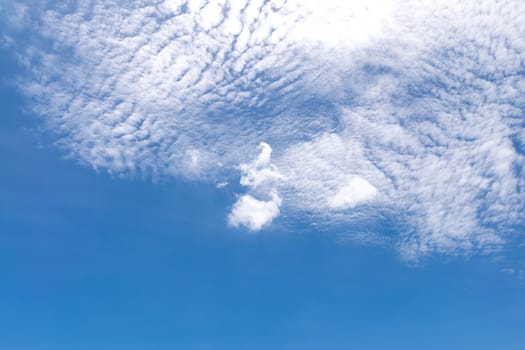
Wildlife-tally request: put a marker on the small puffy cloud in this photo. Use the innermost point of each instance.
(354, 192)
(222, 185)
(253, 213)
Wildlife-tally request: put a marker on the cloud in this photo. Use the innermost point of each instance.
(261, 177)
(405, 111)
(351, 193)
(254, 213)
(222, 184)
(260, 171)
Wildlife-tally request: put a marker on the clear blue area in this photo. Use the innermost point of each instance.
(88, 261)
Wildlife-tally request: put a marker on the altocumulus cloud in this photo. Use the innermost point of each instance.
(411, 111)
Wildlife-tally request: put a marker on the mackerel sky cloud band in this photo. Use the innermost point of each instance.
(410, 109)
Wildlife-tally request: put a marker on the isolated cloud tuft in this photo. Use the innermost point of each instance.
(253, 213)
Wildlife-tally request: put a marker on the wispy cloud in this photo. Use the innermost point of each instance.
(410, 108)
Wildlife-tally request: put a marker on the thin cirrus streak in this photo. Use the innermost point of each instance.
(411, 110)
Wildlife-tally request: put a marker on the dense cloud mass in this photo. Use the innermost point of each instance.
(410, 111)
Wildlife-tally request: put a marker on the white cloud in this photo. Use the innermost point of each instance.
(222, 184)
(420, 100)
(354, 191)
(330, 173)
(260, 176)
(254, 213)
(260, 171)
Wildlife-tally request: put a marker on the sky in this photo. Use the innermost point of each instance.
(262, 174)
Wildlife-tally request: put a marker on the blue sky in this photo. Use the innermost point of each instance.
(262, 175)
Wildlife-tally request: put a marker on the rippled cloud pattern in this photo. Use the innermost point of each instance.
(406, 113)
